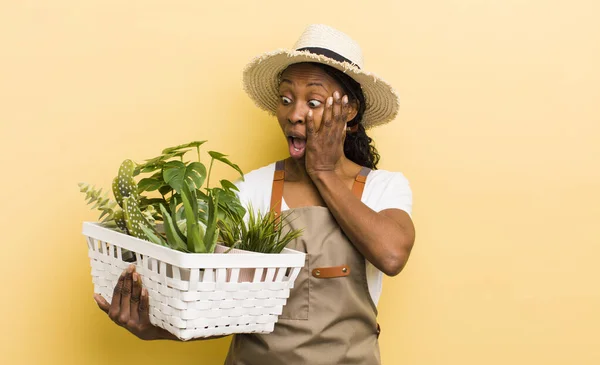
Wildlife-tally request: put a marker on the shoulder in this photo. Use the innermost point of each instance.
(259, 176)
(382, 178)
(387, 189)
(256, 187)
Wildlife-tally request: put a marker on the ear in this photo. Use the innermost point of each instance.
(352, 111)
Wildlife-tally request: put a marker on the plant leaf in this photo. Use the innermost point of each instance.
(175, 173)
(153, 237)
(212, 232)
(173, 237)
(125, 181)
(195, 174)
(117, 192)
(190, 206)
(149, 184)
(187, 145)
(134, 218)
(228, 185)
(165, 189)
(221, 157)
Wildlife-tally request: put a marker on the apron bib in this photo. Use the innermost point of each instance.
(329, 317)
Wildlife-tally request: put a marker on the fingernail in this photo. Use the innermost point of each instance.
(345, 99)
(135, 276)
(336, 95)
(329, 101)
(144, 291)
(310, 113)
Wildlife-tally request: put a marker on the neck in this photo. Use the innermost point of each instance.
(296, 169)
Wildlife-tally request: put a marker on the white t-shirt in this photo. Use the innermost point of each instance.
(383, 190)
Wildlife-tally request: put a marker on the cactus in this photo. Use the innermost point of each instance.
(119, 218)
(124, 184)
(117, 192)
(137, 224)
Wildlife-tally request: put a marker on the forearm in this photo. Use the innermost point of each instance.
(383, 241)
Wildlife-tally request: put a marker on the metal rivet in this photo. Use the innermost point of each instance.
(345, 269)
(317, 272)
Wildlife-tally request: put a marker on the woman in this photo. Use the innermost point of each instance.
(356, 219)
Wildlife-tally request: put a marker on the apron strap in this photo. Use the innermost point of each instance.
(277, 192)
(359, 182)
(279, 176)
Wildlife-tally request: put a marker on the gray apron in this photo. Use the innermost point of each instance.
(329, 317)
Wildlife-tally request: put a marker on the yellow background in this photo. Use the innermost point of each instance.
(499, 134)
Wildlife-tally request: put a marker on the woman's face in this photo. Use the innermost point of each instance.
(303, 87)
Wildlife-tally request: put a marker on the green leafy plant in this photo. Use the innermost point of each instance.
(261, 233)
(187, 213)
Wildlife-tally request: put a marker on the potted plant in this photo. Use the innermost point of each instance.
(167, 219)
(260, 232)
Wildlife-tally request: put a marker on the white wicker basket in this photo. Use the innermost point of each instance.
(196, 295)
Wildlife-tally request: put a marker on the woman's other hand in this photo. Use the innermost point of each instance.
(325, 147)
(130, 306)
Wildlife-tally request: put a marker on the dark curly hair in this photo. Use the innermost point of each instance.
(358, 146)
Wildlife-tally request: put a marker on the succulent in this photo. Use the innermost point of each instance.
(109, 208)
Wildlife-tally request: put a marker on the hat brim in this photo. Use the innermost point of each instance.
(261, 77)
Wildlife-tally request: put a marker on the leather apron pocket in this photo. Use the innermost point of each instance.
(297, 305)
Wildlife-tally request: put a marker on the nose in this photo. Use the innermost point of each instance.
(297, 113)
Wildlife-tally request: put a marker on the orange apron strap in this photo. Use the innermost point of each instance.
(277, 192)
(359, 182)
(279, 176)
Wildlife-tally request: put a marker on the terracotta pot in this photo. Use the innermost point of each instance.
(245, 275)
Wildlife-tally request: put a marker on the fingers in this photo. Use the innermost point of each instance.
(344, 116)
(337, 108)
(102, 303)
(144, 308)
(335, 114)
(310, 124)
(326, 120)
(345, 110)
(126, 295)
(136, 295)
(115, 305)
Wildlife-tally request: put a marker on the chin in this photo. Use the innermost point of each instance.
(297, 156)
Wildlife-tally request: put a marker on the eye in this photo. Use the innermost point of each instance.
(285, 100)
(314, 103)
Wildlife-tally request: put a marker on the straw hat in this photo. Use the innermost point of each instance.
(321, 44)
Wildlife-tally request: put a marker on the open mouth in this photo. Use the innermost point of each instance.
(297, 145)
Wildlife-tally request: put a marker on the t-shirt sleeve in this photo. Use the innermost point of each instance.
(255, 189)
(388, 190)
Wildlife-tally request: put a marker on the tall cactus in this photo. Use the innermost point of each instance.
(140, 225)
(124, 184)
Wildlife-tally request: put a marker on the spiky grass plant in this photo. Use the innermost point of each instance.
(262, 232)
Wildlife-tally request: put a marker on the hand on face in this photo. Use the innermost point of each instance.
(325, 146)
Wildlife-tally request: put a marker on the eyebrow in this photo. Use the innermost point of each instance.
(309, 84)
(317, 84)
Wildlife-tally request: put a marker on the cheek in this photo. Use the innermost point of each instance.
(280, 115)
